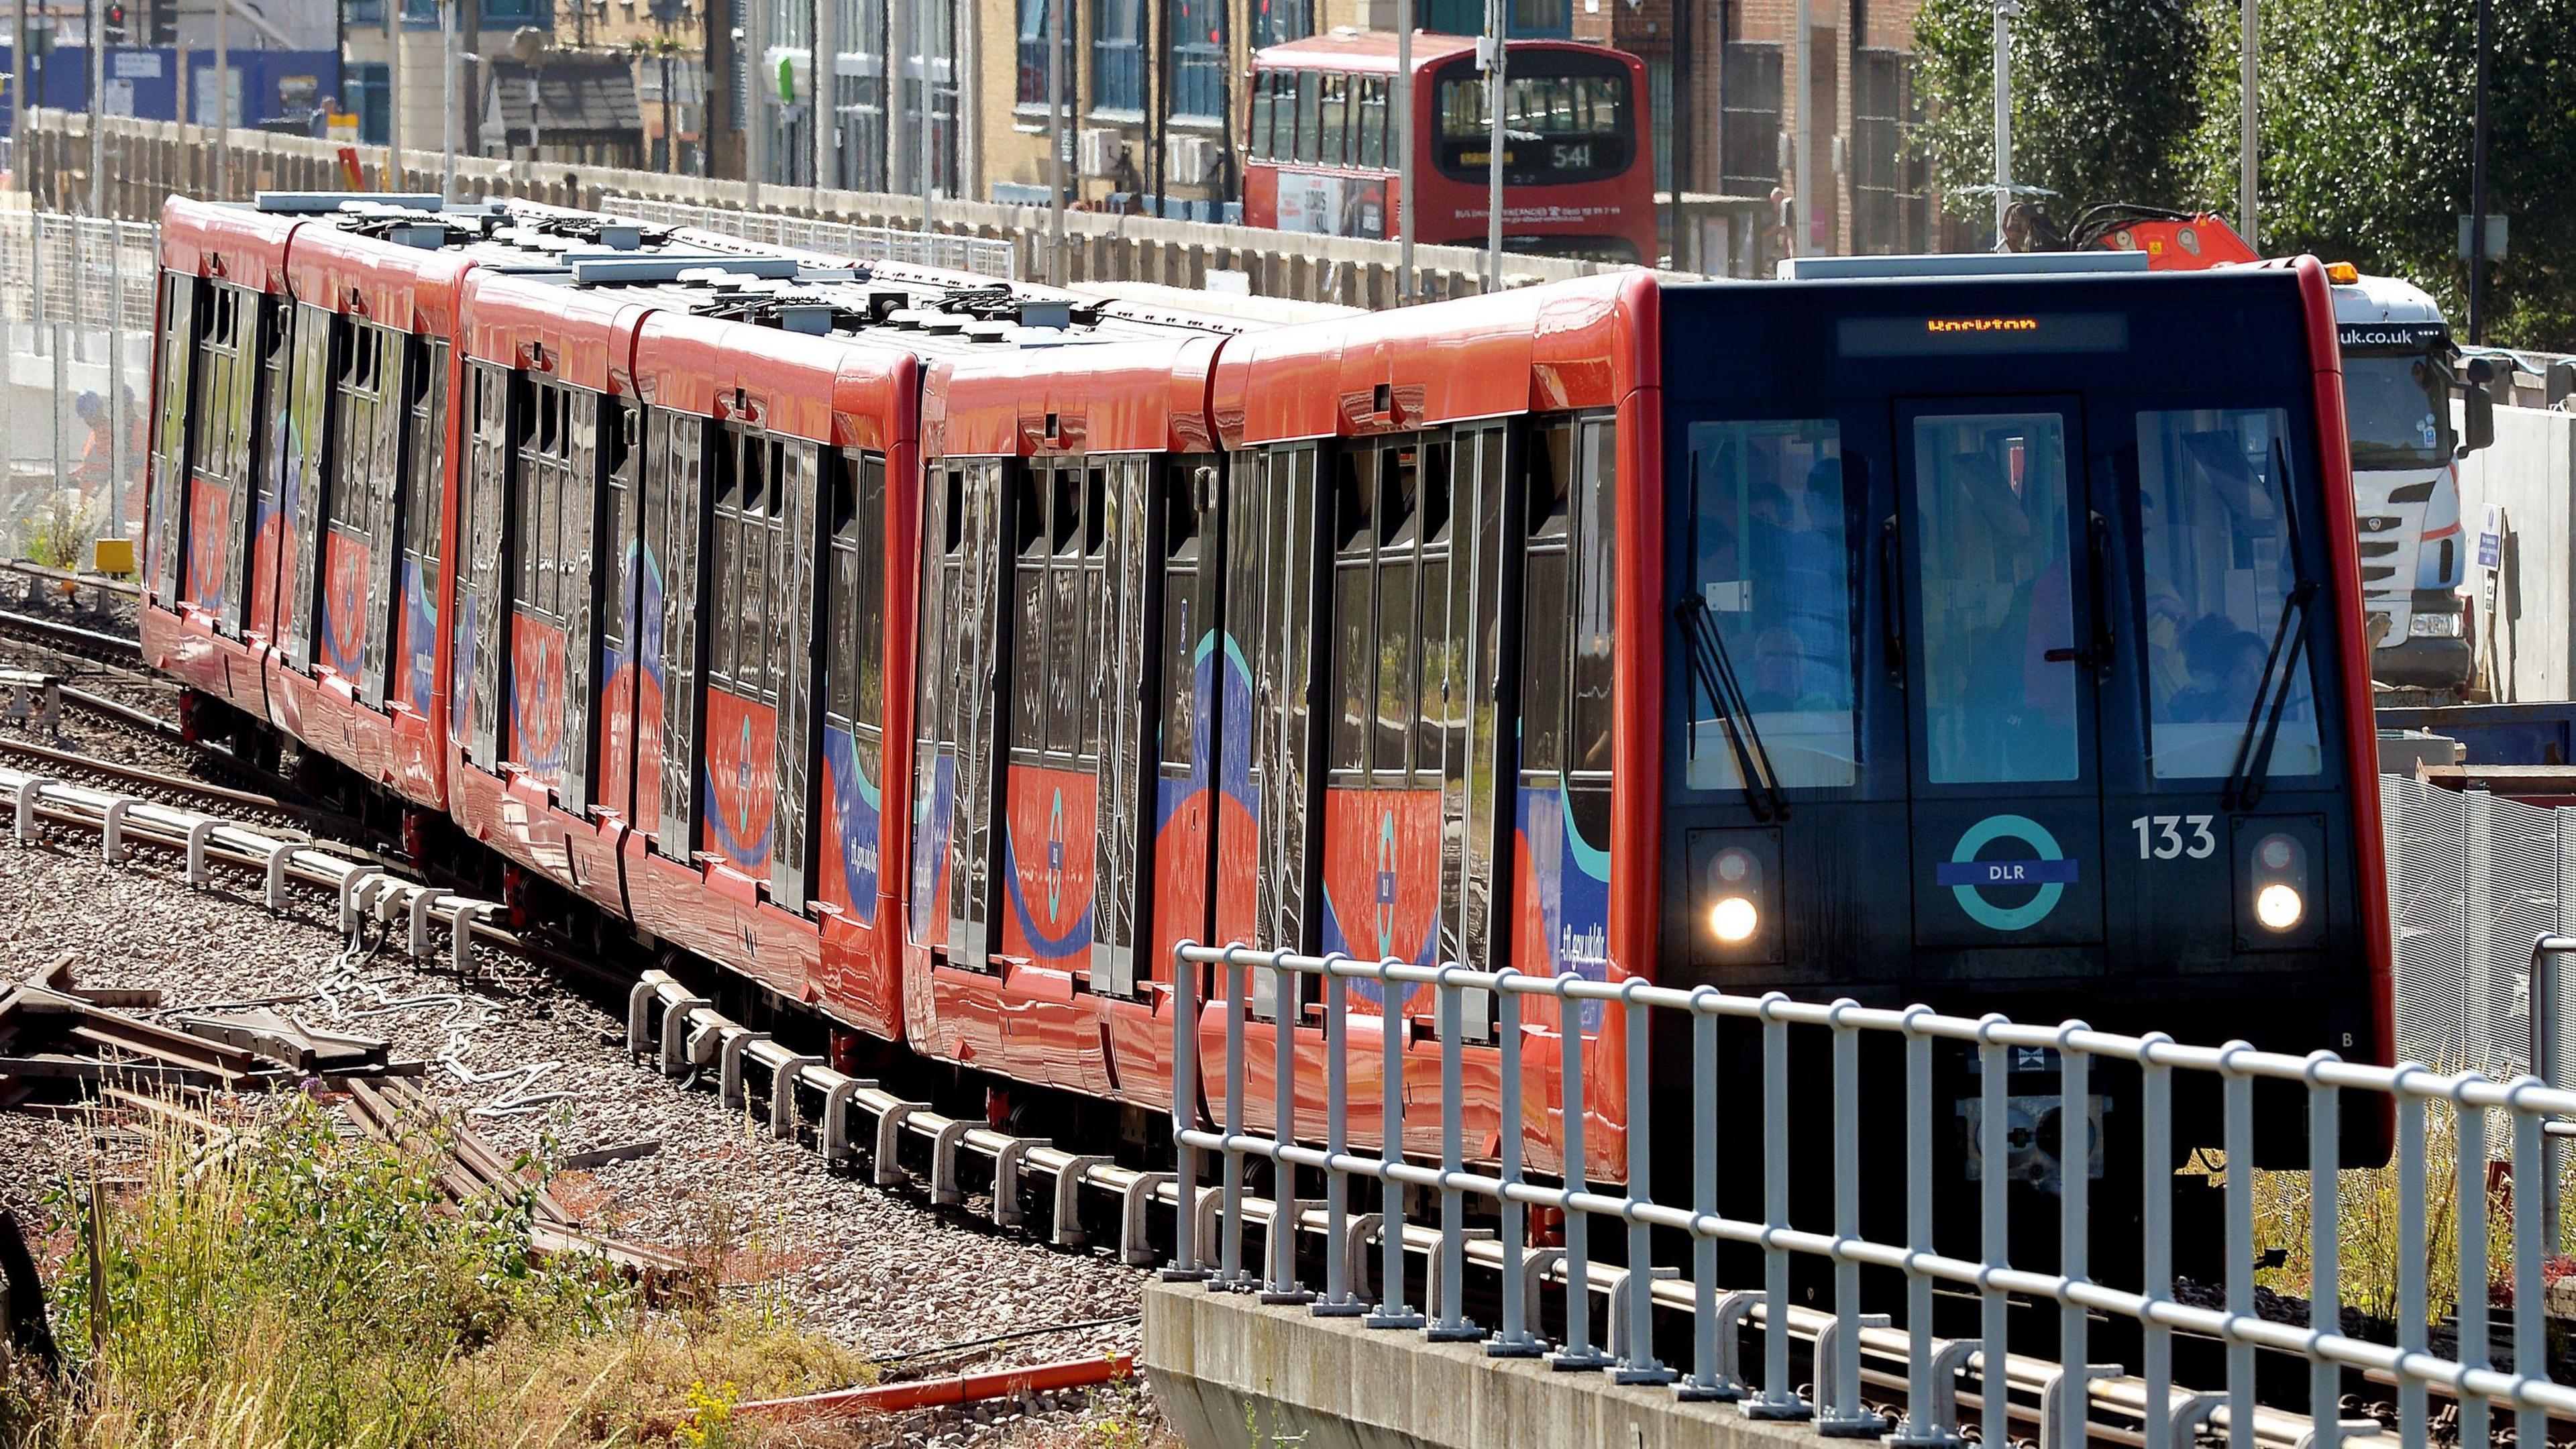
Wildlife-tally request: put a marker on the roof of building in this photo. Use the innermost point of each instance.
(581, 98)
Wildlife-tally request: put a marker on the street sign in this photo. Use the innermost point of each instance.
(2491, 540)
(2495, 234)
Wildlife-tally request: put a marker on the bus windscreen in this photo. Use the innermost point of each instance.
(1564, 120)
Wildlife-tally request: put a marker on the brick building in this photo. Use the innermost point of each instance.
(1734, 125)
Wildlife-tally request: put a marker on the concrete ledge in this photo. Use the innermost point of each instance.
(1220, 1361)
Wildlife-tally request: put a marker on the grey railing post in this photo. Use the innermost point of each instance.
(1640, 1365)
(2075, 1204)
(1577, 1352)
(1928, 1405)
(1994, 1244)
(1337, 1301)
(2325, 1291)
(1516, 1340)
(2530, 1295)
(1286, 994)
(1707, 1379)
(2413, 1406)
(1392, 1311)
(2155, 1106)
(2471, 1204)
(1779, 1397)
(1452, 1325)
(1185, 1100)
(1230, 1272)
(1838, 1381)
(2236, 1134)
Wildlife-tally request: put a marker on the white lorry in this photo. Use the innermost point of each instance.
(2400, 371)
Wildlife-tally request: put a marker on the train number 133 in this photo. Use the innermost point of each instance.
(2160, 837)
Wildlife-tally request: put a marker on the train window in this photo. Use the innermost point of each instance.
(1067, 654)
(1398, 627)
(1335, 104)
(1182, 489)
(425, 456)
(724, 563)
(1771, 562)
(1355, 496)
(1032, 486)
(1309, 114)
(1099, 656)
(2218, 534)
(1990, 502)
(856, 689)
(1372, 122)
(1596, 539)
(1546, 599)
(1441, 707)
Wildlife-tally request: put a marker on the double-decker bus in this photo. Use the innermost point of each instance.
(1325, 151)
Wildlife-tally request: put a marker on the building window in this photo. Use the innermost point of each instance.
(1541, 19)
(1890, 212)
(1278, 21)
(1659, 106)
(1034, 57)
(1749, 123)
(1197, 29)
(1117, 56)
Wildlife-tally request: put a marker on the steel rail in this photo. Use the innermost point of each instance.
(71, 635)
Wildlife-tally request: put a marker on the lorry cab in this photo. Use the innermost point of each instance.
(2400, 367)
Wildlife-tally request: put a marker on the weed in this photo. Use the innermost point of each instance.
(304, 1291)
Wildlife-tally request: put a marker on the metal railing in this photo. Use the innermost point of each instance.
(984, 256)
(2070, 1389)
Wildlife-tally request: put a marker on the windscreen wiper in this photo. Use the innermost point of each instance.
(1716, 675)
(2263, 722)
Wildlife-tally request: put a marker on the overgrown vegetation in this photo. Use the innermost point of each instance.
(2365, 114)
(55, 533)
(297, 1291)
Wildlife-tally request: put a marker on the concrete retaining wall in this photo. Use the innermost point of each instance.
(2529, 636)
(149, 160)
(1231, 1371)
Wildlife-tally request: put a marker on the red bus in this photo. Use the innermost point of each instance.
(1578, 172)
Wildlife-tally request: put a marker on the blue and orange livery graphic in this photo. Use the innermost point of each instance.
(741, 780)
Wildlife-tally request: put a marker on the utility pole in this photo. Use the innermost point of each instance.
(2248, 164)
(20, 70)
(1404, 149)
(469, 72)
(2005, 10)
(2478, 190)
(97, 47)
(755, 106)
(447, 99)
(826, 31)
(393, 95)
(1685, 252)
(1804, 243)
(1055, 140)
(929, 38)
(1492, 60)
(223, 99)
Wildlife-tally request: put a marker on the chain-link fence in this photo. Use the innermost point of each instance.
(985, 256)
(2473, 881)
(76, 302)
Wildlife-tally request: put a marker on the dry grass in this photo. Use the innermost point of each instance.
(303, 1291)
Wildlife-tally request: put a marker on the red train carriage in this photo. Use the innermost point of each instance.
(304, 375)
(1476, 632)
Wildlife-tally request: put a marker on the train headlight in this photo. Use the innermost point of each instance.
(2278, 906)
(1733, 920)
(1734, 915)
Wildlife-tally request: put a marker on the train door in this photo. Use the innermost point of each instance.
(300, 437)
(957, 743)
(1268, 867)
(1119, 549)
(1561, 816)
(1193, 676)
(275, 457)
(853, 745)
(2001, 572)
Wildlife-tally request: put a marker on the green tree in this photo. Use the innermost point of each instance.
(2106, 98)
(2366, 117)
